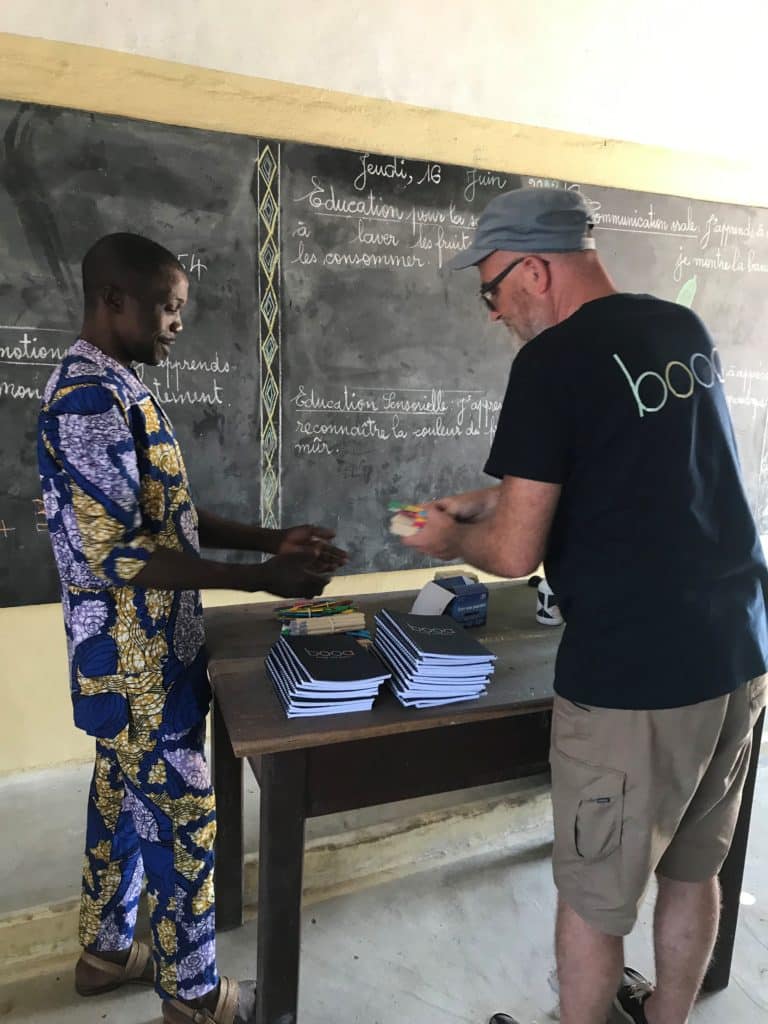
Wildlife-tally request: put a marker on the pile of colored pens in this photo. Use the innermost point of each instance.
(320, 616)
(406, 519)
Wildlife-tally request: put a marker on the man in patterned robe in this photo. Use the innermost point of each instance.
(126, 537)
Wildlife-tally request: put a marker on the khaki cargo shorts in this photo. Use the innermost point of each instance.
(638, 792)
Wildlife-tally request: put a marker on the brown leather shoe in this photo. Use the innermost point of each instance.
(234, 1006)
(94, 975)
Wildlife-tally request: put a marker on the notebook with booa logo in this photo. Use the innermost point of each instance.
(331, 659)
(435, 636)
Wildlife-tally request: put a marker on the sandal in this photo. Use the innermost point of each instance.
(95, 976)
(234, 1006)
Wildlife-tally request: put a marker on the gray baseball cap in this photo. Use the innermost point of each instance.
(530, 220)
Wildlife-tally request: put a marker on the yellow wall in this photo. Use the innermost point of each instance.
(35, 728)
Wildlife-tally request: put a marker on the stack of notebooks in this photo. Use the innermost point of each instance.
(432, 658)
(324, 675)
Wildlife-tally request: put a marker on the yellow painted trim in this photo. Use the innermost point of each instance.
(106, 81)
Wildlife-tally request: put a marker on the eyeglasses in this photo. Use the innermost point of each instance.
(487, 290)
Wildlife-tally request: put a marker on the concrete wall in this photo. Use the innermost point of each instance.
(682, 75)
(634, 71)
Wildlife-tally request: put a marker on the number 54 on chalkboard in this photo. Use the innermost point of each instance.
(191, 263)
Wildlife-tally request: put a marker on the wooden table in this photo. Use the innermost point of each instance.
(310, 767)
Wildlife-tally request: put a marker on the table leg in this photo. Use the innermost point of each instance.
(228, 786)
(731, 877)
(283, 780)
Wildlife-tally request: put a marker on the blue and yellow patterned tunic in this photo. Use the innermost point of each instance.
(115, 488)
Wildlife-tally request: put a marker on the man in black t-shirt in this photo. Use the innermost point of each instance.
(618, 468)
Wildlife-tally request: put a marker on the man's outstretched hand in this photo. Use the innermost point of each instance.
(310, 539)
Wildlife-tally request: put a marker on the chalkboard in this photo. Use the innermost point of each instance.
(330, 363)
(66, 178)
(392, 375)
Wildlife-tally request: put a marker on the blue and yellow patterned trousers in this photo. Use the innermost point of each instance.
(151, 811)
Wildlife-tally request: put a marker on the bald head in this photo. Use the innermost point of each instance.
(124, 261)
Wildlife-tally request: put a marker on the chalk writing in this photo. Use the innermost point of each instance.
(191, 263)
(746, 387)
(376, 167)
(720, 260)
(388, 414)
(483, 179)
(24, 356)
(723, 232)
(326, 201)
(41, 522)
(451, 243)
(10, 389)
(549, 183)
(166, 396)
(173, 367)
(752, 401)
(435, 234)
(647, 221)
(349, 401)
(27, 351)
(313, 447)
(432, 175)
(372, 260)
(169, 384)
(166, 381)
(319, 428)
(745, 374)
(756, 265)
(733, 260)
(304, 257)
(434, 403)
(364, 234)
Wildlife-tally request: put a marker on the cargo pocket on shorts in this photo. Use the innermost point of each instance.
(588, 803)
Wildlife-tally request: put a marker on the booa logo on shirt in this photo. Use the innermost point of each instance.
(679, 380)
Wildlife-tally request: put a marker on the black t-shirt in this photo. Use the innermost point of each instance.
(653, 554)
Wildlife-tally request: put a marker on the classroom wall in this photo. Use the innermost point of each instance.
(676, 74)
(464, 67)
